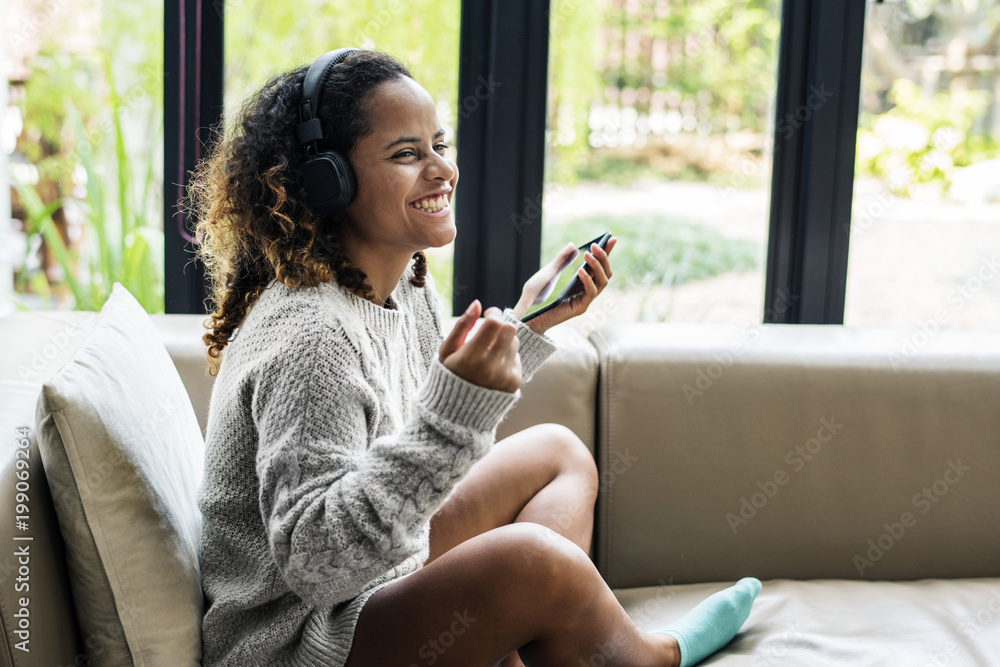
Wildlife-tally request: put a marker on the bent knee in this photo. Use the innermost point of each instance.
(570, 453)
(536, 555)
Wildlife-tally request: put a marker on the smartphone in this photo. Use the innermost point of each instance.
(574, 284)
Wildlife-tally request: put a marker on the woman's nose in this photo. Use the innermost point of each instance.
(442, 167)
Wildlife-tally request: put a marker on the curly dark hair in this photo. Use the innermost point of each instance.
(248, 194)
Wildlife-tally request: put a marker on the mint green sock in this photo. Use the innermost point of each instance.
(713, 622)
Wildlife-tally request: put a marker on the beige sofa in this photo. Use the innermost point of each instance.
(855, 472)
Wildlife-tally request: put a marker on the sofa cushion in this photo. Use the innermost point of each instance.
(123, 454)
(830, 622)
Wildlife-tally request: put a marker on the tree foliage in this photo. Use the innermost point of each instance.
(264, 38)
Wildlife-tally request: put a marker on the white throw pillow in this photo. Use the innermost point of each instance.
(123, 454)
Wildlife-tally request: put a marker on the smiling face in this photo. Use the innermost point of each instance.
(405, 181)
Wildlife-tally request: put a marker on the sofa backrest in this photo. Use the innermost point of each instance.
(796, 451)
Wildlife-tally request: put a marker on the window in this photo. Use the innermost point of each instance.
(660, 126)
(83, 136)
(925, 232)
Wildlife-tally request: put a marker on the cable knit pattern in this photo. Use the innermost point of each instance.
(334, 434)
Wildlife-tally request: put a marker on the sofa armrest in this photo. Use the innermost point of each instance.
(36, 344)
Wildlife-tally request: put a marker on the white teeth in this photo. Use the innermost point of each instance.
(432, 205)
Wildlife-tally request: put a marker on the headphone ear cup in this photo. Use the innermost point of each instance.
(330, 182)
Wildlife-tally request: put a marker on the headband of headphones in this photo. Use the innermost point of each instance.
(309, 129)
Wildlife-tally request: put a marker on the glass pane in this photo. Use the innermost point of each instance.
(660, 117)
(925, 233)
(83, 136)
(265, 37)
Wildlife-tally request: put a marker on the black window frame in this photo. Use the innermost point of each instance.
(192, 106)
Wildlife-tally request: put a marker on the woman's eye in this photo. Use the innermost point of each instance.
(410, 153)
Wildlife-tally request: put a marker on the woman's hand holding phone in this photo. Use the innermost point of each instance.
(539, 286)
(591, 279)
(488, 358)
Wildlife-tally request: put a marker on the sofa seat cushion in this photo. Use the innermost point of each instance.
(123, 455)
(840, 622)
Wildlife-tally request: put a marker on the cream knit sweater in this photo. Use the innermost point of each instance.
(334, 434)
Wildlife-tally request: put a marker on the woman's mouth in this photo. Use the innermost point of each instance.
(437, 206)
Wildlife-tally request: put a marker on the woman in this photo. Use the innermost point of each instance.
(344, 520)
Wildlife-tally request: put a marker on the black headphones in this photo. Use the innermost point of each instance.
(330, 181)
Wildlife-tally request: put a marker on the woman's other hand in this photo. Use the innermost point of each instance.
(594, 278)
(489, 357)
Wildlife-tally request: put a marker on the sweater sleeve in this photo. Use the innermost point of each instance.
(534, 348)
(340, 506)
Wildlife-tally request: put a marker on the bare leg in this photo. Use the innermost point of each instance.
(519, 586)
(542, 475)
